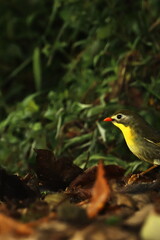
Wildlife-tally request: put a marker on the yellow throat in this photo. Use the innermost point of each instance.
(129, 135)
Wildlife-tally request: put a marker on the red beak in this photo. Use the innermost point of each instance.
(108, 119)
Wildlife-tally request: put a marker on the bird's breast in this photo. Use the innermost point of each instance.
(130, 137)
(143, 148)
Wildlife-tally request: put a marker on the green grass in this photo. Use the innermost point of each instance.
(65, 65)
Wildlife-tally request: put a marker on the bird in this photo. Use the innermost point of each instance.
(141, 138)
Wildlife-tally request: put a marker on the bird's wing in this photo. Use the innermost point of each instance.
(157, 143)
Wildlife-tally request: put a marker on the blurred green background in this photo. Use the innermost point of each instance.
(65, 65)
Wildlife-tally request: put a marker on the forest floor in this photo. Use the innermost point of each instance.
(58, 200)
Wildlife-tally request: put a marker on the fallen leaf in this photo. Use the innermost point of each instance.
(103, 232)
(151, 227)
(54, 173)
(36, 210)
(100, 193)
(80, 188)
(142, 199)
(10, 226)
(56, 230)
(73, 214)
(55, 199)
(139, 216)
(141, 187)
(39, 222)
(83, 179)
(12, 187)
(125, 200)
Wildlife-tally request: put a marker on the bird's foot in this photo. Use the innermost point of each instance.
(133, 178)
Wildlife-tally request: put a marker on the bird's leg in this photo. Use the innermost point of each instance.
(148, 170)
(134, 177)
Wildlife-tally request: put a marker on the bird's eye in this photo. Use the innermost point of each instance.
(119, 116)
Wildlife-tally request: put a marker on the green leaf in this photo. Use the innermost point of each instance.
(95, 110)
(78, 139)
(94, 158)
(102, 131)
(108, 160)
(81, 159)
(37, 68)
(84, 106)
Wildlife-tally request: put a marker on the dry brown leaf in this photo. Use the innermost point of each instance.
(12, 187)
(38, 222)
(150, 229)
(10, 226)
(55, 174)
(101, 231)
(100, 192)
(139, 216)
(80, 188)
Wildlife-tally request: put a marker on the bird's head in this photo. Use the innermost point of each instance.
(123, 117)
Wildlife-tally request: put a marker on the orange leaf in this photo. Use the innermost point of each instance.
(11, 226)
(100, 192)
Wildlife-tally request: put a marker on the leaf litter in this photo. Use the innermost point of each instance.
(100, 193)
(58, 200)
